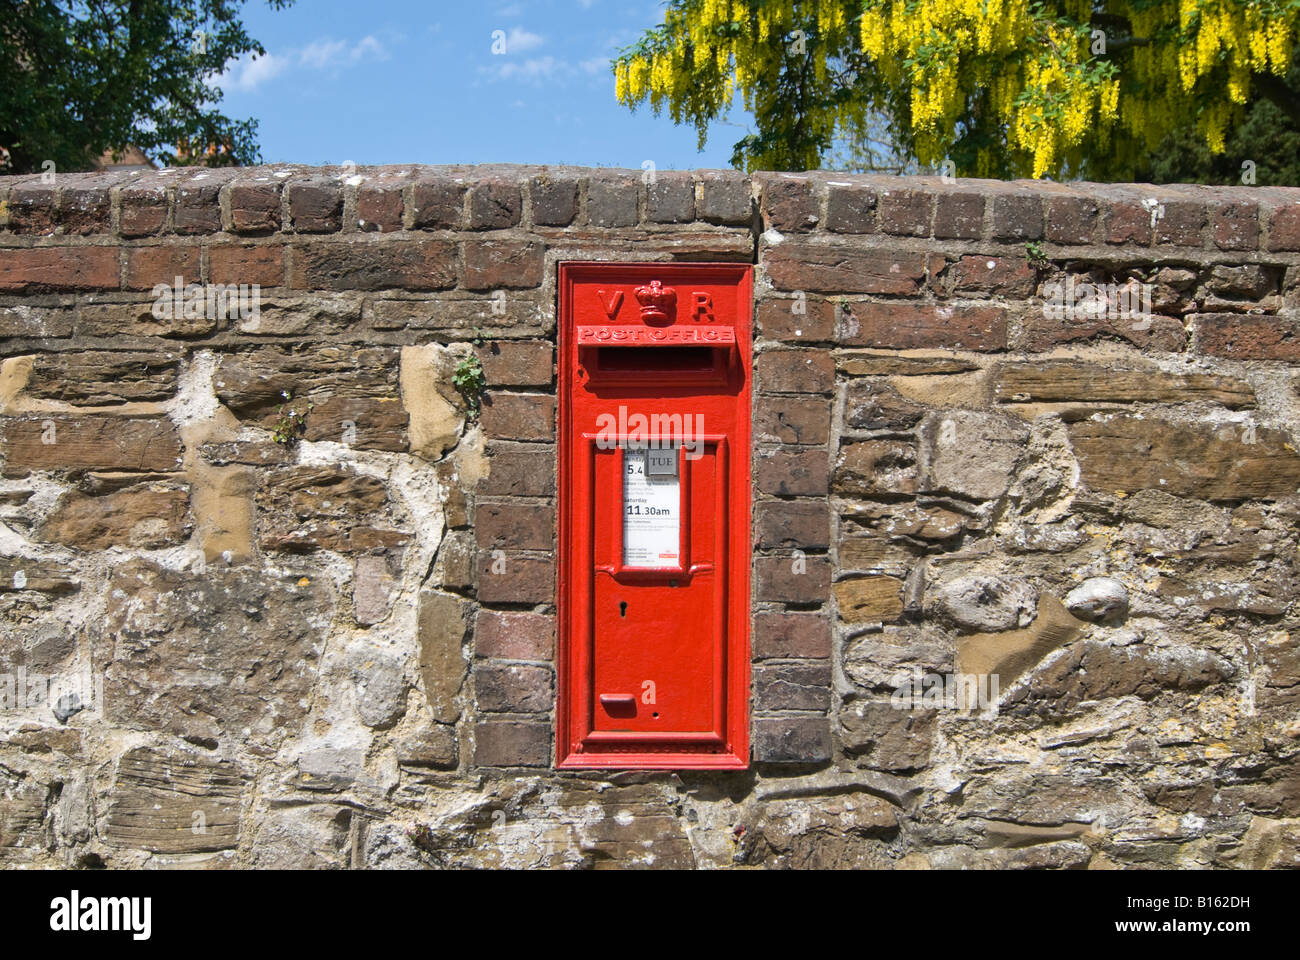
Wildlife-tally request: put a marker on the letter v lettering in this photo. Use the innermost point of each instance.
(613, 304)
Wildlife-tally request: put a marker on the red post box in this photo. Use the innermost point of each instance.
(654, 515)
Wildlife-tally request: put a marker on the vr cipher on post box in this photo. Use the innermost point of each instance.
(654, 515)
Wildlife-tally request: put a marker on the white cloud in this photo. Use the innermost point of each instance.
(533, 70)
(595, 65)
(369, 45)
(519, 40)
(247, 74)
(333, 53)
(321, 53)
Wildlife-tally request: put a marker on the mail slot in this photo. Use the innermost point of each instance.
(654, 516)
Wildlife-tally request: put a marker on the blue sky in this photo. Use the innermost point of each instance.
(404, 81)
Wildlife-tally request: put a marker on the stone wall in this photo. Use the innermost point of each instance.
(298, 599)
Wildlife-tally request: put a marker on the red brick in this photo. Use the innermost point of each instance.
(502, 264)
(513, 688)
(792, 579)
(147, 266)
(519, 416)
(143, 209)
(793, 472)
(1128, 221)
(524, 363)
(84, 207)
(1236, 226)
(1162, 334)
(354, 265)
(792, 686)
(521, 744)
(439, 204)
(32, 207)
(35, 269)
(514, 636)
(958, 216)
(818, 268)
(1284, 228)
(788, 204)
(494, 205)
(1247, 337)
(1072, 220)
(723, 197)
(794, 420)
(316, 206)
(612, 201)
(791, 524)
(198, 209)
(519, 471)
(1009, 276)
(231, 263)
(255, 206)
(904, 213)
(906, 326)
(513, 578)
(670, 198)
(1017, 217)
(513, 526)
(379, 207)
(797, 319)
(795, 371)
(797, 635)
(850, 209)
(1182, 223)
(792, 739)
(554, 201)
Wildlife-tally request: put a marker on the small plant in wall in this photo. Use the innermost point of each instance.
(469, 381)
(291, 420)
(1035, 257)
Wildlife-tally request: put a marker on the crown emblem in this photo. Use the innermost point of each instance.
(657, 301)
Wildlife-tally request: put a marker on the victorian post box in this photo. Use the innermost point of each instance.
(654, 515)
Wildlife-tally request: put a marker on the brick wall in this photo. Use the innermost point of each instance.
(338, 651)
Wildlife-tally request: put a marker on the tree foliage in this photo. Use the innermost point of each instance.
(1264, 146)
(996, 87)
(79, 78)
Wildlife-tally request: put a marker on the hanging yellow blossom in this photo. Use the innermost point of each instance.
(1056, 85)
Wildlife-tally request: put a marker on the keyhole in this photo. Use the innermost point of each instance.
(622, 608)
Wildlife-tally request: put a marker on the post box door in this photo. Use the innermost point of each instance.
(654, 515)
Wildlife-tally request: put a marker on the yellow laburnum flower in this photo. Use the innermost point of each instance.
(1238, 82)
(1076, 119)
(1187, 68)
(1257, 41)
(620, 82)
(1279, 44)
(1214, 125)
(1108, 100)
(872, 30)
